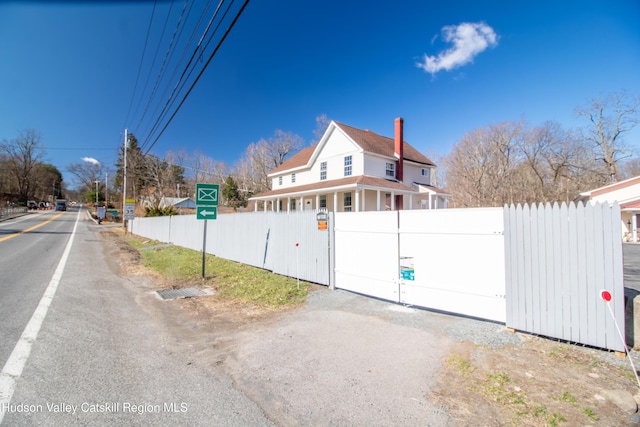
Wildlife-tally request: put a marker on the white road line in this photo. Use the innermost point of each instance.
(18, 359)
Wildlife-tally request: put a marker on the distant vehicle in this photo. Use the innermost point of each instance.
(42, 205)
(61, 205)
(32, 204)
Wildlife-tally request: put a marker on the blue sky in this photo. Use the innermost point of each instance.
(69, 70)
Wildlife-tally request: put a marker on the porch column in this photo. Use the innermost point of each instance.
(378, 203)
(335, 201)
(410, 201)
(265, 205)
(288, 204)
(634, 227)
(277, 209)
(357, 200)
(393, 201)
(255, 208)
(317, 201)
(429, 201)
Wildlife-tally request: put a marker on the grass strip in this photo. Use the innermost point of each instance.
(233, 281)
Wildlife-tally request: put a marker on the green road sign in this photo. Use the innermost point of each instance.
(207, 194)
(206, 212)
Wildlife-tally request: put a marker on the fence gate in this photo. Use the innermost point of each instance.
(558, 260)
(366, 253)
(453, 260)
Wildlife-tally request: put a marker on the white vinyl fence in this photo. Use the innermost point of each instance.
(559, 259)
(537, 269)
(287, 244)
(450, 260)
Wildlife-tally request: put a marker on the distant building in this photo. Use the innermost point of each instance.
(177, 202)
(627, 194)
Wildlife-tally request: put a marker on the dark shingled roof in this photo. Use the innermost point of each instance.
(369, 141)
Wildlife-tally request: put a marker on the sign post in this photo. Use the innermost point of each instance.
(206, 208)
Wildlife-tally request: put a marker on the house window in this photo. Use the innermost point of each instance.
(347, 165)
(323, 171)
(425, 172)
(292, 204)
(293, 178)
(347, 201)
(323, 201)
(391, 170)
(279, 180)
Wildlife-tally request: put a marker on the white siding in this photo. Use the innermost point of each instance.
(413, 173)
(333, 152)
(620, 195)
(376, 166)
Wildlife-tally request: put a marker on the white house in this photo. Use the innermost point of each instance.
(627, 194)
(351, 169)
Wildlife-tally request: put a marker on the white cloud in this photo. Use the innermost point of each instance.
(468, 39)
(91, 160)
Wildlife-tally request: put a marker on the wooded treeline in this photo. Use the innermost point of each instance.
(513, 162)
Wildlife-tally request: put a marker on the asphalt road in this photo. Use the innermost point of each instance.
(631, 253)
(27, 262)
(99, 358)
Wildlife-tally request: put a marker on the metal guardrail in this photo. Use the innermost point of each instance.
(10, 212)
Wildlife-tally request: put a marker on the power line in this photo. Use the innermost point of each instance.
(144, 50)
(229, 28)
(178, 86)
(183, 80)
(164, 27)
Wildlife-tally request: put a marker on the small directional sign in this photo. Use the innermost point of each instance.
(207, 194)
(207, 200)
(206, 212)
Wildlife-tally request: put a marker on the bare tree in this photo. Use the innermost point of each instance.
(87, 173)
(322, 123)
(280, 145)
(197, 167)
(260, 158)
(481, 168)
(609, 119)
(630, 168)
(23, 154)
(511, 163)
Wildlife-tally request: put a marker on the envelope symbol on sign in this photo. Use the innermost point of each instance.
(207, 194)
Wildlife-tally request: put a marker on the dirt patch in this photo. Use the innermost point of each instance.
(541, 382)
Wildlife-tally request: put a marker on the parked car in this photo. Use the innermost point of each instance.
(61, 206)
(32, 204)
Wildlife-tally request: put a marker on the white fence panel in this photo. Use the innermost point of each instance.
(366, 253)
(457, 260)
(261, 239)
(558, 259)
(187, 231)
(155, 228)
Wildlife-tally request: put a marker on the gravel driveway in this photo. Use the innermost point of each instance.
(388, 364)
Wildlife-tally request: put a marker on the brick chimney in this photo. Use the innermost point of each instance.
(399, 152)
(399, 147)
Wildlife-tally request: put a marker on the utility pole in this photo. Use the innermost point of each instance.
(124, 180)
(106, 189)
